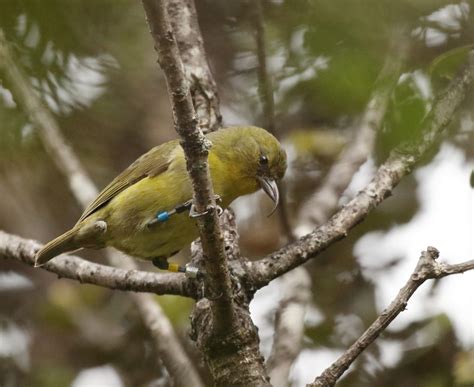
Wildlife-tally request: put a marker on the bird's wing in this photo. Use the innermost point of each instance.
(152, 163)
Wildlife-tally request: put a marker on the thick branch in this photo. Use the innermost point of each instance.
(233, 356)
(196, 67)
(222, 326)
(400, 163)
(317, 209)
(84, 191)
(196, 148)
(427, 268)
(75, 268)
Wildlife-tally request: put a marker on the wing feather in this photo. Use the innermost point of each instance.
(152, 163)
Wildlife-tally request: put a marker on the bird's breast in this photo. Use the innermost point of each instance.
(129, 213)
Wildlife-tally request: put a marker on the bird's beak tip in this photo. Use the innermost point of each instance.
(270, 187)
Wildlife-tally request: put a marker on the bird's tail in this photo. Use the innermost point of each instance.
(63, 243)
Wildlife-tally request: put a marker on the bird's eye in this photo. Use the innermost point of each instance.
(263, 160)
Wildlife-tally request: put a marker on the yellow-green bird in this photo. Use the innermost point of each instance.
(144, 211)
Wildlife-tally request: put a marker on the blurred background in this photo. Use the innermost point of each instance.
(93, 64)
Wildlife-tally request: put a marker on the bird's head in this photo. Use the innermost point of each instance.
(257, 158)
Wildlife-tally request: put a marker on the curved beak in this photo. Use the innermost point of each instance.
(271, 189)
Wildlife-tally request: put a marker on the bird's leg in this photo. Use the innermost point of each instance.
(163, 216)
(163, 264)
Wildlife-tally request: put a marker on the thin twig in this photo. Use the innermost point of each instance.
(399, 163)
(265, 84)
(48, 129)
(265, 87)
(427, 268)
(319, 207)
(76, 268)
(173, 355)
(196, 148)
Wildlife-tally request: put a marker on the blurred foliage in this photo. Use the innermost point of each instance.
(446, 66)
(316, 145)
(94, 65)
(464, 368)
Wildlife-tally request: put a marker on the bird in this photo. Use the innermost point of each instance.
(145, 210)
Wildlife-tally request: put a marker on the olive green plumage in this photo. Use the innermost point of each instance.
(241, 160)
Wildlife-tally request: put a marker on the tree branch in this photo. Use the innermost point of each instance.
(172, 353)
(222, 321)
(318, 208)
(75, 268)
(48, 129)
(265, 87)
(202, 86)
(84, 191)
(196, 148)
(288, 329)
(289, 325)
(400, 162)
(296, 285)
(427, 268)
(233, 357)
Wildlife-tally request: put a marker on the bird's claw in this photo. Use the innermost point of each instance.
(195, 214)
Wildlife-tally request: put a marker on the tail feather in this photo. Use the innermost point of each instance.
(63, 243)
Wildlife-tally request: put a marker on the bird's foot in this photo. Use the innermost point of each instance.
(195, 214)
